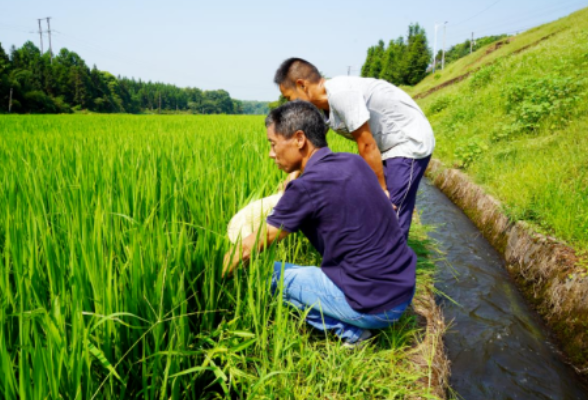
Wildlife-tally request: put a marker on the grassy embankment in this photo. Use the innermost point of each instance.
(518, 125)
(112, 232)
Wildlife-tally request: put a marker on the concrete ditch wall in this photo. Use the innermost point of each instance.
(546, 270)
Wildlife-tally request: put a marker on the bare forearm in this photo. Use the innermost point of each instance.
(258, 241)
(372, 156)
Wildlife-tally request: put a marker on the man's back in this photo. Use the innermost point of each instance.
(339, 205)
(397, 123)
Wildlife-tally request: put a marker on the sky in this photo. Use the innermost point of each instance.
(238, 45)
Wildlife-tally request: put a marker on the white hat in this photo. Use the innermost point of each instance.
(250, 217)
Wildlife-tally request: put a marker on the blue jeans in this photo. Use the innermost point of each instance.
(309, 287)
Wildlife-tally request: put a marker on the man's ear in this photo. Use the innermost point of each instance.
(302, 84)
(300, 139)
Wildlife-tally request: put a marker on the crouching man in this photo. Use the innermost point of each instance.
(367, 276)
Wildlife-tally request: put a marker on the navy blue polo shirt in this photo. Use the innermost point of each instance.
(340, 207)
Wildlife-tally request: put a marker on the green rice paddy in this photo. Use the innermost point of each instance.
(112, 233)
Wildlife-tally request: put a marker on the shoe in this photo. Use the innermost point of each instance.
(361, 341)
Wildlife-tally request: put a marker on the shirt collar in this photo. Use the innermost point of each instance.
(317, 156)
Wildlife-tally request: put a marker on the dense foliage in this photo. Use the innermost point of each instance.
(66, 84)
(461, 50)
(254, 107)
(403, 62)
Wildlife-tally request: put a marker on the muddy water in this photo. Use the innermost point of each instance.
(498, 347)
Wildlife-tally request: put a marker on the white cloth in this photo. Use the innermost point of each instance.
(251, 217)
(398, 125)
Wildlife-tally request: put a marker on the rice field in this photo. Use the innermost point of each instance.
(112, 233)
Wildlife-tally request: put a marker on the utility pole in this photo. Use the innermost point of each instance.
(49, 32)
(10, 101)
(472, 44)
(40, 34)
(443, 58)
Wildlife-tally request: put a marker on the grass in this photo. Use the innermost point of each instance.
(518, 126)
(112, 232)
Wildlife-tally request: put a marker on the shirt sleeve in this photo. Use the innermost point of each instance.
(350, 107)
(294, 208)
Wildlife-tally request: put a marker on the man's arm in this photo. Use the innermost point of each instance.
(291, 176)
(368, 150)
(236, 254)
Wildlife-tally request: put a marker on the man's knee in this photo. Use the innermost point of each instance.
(289, 271)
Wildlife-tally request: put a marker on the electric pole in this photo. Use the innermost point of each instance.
(10, 101)
(435, 49)
(443, 58)
(472, 44)
(49, 32)
(40, 34)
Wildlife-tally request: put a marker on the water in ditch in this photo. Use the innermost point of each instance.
(498, 347)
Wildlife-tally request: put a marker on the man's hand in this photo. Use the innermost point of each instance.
(230, 262)
(242, 252)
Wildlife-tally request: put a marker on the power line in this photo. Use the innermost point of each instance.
(16, 28)
(529, 16)
(480, 13)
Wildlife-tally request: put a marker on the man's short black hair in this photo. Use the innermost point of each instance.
(296, 68)
(302, 116)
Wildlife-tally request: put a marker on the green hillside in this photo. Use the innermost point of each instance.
(513, 115)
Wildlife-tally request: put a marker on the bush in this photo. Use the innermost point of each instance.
(534, 99)
(482, 78)
(466, 154)
(439, 104)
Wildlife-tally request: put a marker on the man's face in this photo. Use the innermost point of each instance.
(285, 152)
(294, 93)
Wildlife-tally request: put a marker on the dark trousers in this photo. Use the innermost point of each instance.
(403, 176)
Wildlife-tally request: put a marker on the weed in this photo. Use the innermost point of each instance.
(470, 151)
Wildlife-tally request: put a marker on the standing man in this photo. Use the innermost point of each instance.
(367, 276)
(392, 133)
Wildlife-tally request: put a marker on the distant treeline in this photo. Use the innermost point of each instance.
(66, 84)
(403, 62)
(463, 49)
(254, 107)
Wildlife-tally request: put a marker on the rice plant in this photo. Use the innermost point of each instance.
(112, 233)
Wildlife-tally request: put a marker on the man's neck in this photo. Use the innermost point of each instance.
(307, 157)
(320, 98)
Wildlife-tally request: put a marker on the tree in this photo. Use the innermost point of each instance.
(367, 65)
(67, 84)
(391, 66)
(402, 62)
(4, 79)
(417, 56)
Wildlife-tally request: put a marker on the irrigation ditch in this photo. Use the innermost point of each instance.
(505, 338)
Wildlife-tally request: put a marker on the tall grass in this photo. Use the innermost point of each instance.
(112, 232)
(518, 127)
